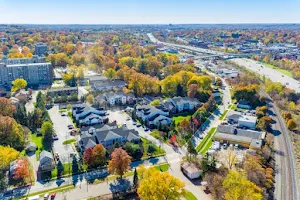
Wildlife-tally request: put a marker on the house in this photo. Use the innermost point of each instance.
(100, 100)
(108, 135)
(168, 106)
(22, 95)
(216, 93)
(106, 85)
(244, 104)
(246, 138)
(88, 115)
(185, 104)
(159, 120)
(147, 111)
(46, 161)
(120, 98)
(190, 170)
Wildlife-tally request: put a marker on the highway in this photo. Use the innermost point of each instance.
(286, 180)
(270, 73)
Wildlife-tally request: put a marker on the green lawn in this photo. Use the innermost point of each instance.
(224, 115)
(162, 167)
(67, 170)
(189, 196)
(178, 119)
(69, 141)
(38, 140)
(206, 143)
(283, 71)
(158, 151)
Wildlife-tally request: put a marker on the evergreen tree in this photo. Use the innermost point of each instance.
(190, 148)
(21, 115)
(135, 179)
(179, 90)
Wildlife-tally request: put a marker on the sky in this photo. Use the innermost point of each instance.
(148, 12)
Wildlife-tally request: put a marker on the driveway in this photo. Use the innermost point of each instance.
(60, 125)
(30, 104)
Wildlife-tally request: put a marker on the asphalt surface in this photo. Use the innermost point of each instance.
(270, 73)
(60, 125)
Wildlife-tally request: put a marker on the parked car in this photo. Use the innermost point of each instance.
(146, 129)
(70, 126)
(46, 196)
(139, 125)
(134, 123)
(225, 146)
(63, 114)
(53, 195)
(54, 137)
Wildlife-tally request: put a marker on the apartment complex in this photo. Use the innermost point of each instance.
(40, 49)
(34, 70)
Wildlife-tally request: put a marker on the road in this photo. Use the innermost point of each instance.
(30, 104)
(60, 125)
(270, 73)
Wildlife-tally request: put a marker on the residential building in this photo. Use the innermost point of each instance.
(31, 146)
(216, 94)
(62, 91)
(107, 85)
(147, 111)
(35, 74)
(46, 161)
(119, 98)
(185, 104)
(246, 138)
(40, 49)
(190, 170)
(15, 61)
(87, 115)
(108, 135)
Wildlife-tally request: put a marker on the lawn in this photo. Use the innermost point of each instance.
(69, 141)
(283, 71)
(178, 119)
(67, 170)
(224, 115)
(38, 140)
(189, 196)
(206, 143)
(162, 167)
(158, 151)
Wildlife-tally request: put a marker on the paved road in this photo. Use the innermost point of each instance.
(270, 73)
(60, 125)
(30, 104)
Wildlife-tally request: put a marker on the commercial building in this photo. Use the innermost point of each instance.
(34, 70)
(63, 91)
(40, 49)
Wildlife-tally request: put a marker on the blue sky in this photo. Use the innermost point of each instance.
(149, 12)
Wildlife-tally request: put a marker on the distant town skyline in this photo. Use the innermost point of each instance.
(148, 12)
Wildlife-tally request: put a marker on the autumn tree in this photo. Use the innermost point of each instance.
(230, 158)
(110, 73)
(254, 170)
(11, 133)
(237, 186)
(291, 124)
(159, 185)
(47, 131)
(7, 155)
(90, 98)
(7, 108)
(88, 156)
(17, 84)
(119, 163)
(98, 155)
(21, 172)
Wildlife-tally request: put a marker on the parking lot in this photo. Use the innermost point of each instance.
(60, 125)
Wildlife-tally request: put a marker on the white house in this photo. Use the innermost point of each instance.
(147, 111)
(46, 161)
(119, 98)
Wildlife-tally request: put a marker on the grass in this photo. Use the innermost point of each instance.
(206, 143)
(62, 111)
(69, 141)
(178, 119)
(283, 71)
(233, 107)
(42, 193)
(162, 167)
(224, 115)
(38, 140)
(158, 150)
(189, 196)
(67, 170)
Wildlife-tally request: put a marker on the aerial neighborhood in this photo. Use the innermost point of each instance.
(109, 112)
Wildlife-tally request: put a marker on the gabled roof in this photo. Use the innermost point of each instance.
(44, 156)
(90, 144)
(185, 99)
(110, 135)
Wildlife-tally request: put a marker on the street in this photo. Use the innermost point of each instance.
(270, 73)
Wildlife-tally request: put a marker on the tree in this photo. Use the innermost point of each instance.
(254, 170)
(69, 107)
(7, 155)
(190, 148)
(119, 163)
(208, 163)
(159, 185)
(238, 187)
(230, 158)
(135, 179)
(110, 73)
(21, 171)
(75, 167)
(7, 108)
(17, 84)
(98, 155)
(90, 98)
(292, 106)
(11, 133)
(47, 131)
(87, 156)
(291, 124)
(193, 91)
(155, 102)
(60, 169)
(219, 82)
(264, 123)
(214, 183)
(21, 115)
